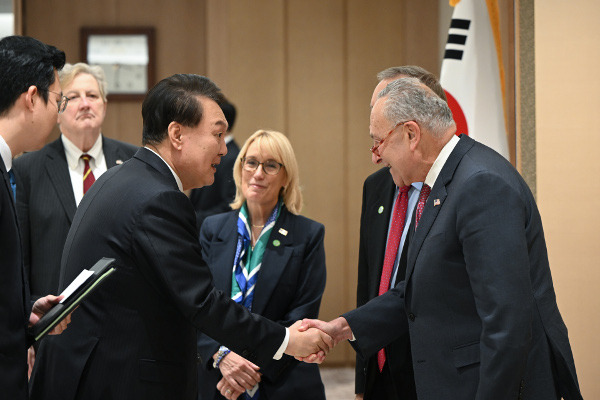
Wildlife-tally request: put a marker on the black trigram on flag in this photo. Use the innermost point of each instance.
(461, 26)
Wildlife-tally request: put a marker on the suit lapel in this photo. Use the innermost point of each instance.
(112, 153)
(58, 172)
(438, 192)
(377, 236)
(222, 265)
(275, 260)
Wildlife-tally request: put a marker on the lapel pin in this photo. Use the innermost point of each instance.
(380, 209)
(436, 202)
(283, 231)
(276, 243)
(119, 162)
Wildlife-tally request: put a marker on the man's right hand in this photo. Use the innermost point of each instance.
(306, 342)
(238, 372)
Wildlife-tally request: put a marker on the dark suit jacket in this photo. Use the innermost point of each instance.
(378, 190)
(478, 300)
(135, 336)
(215, 199)
(46, 206)
(14, 299)
(290, 285)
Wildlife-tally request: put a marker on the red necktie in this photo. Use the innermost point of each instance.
(391, 250)
(425, 190)
(88, 175)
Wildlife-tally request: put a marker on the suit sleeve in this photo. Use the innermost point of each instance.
(492, 229)
(166, 243)
(379, 322)
(307, 297)
(362, 292)
(207, 346)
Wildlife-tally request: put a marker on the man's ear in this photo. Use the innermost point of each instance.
(30, 97)
(174, 131)
(414, 134)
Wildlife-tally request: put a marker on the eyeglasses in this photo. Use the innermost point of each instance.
(60, 104)
(377, 143)
(271, 167)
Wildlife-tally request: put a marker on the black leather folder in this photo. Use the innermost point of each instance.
(100, 271)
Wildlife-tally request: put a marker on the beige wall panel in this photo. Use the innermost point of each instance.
(567, 87)
(180, 42)
(420, 34)
(374, 42)
(253, 50)
(316, 94)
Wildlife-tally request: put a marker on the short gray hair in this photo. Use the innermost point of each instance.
(409, 100)
(70, 71)
(414, 71)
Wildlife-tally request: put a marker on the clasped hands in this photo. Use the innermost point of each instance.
(312, 339)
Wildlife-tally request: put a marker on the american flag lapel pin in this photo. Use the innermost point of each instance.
(436, 202)
(283, 231)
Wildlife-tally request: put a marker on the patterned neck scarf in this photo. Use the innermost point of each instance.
(248, 260)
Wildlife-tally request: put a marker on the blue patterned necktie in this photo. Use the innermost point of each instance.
(13, 183)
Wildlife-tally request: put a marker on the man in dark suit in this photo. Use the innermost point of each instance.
(29, 102)
(395, 380)
(215, 199)
(478, 301)
(135, 336)
(51, 183)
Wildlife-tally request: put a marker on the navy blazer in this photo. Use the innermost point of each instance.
(290, 285)
(478, 300)
(135, 336)
(378, 191)
(46, 206)
(14, 299)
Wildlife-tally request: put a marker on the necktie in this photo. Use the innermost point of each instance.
(88, 175)
(13, 183)
(391, 251)
(425, 190)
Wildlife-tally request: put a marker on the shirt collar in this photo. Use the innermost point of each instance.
(441, 159)
(228, 138)
(179, 185)
(73, 153)
(5, 153)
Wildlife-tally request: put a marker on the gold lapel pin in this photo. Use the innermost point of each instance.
(283, 231)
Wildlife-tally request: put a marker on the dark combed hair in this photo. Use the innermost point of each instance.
(175, 99)
(229, 112)
(25, 62)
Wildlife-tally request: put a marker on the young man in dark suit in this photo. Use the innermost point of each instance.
(395, 379)
(478, 301)
(30, 100)
(51, 183)
(135, 337)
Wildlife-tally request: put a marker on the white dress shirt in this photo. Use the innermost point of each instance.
(76, 164)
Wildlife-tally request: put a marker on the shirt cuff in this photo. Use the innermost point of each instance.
(283, 346)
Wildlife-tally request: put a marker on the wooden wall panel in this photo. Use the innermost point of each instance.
(568, 187)
(180, 42)
(316, 94)
(247, 60)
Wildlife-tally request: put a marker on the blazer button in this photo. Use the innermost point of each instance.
(411, 316)
(198, 358)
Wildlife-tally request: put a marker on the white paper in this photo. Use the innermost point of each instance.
(77, 282)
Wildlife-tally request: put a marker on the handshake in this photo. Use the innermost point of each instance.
(312, 339)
